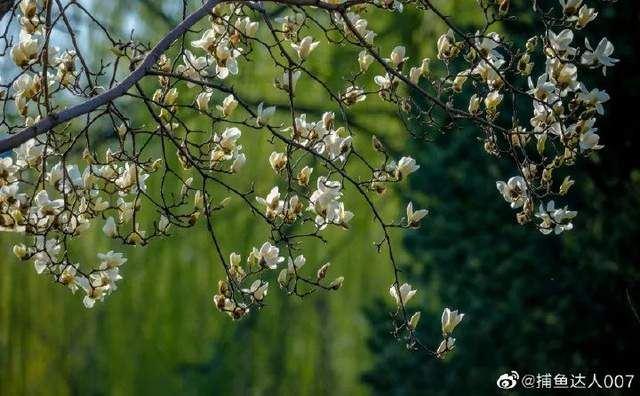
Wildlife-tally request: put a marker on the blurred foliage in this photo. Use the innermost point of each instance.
(534, 304)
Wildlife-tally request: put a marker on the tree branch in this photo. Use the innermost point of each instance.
(54, 119)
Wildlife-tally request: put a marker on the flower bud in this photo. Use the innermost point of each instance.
(20, 251)
(337, 283)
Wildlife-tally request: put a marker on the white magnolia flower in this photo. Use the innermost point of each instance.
(26, 50)
(414, 74)
(555, 220)
(47, 250)
(193, 67)
(229, 139)
(268, 255)
(352, 95)
(560, 44)
(593, 99)
(601, 56)
(327, 191)
(397, 56)
(304, 175)
(589, 140)
(405, 167)
(130, 178)
(474, 104)
(334, 146)
(414, 320)
(492, 101)
(202, 100)
(585, 16)
(70, 277)
(288, 81)
(278, 161)
(450, 319)
(384, 82)
(20, 250)
(447, 46)
(445, 346)
(513, 191)
(29, 153)
(45, 206)
(570, 7)
(238, 162)
(413, 218)
(402, 294)
(304, 47)
(110, 228)
(111, 259)
(7, 171)
(365, 60)
(293, 265)
(274, 205)
(336, 283)
(257, 290)
(264, 114)
(229, 104)
(226, 59)
(207, 42)
(487, 45)
(246, 26)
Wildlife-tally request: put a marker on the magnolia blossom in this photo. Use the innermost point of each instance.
(288, 80)
(445, 346)
(26, 50)
(560, 44)
(111, 259)
(46, 206)
(272, 202)
(202, 100)
(247, 27)
(397, 56)
(353, 95)
(110, 228)
(414, 320)
(365, 60)
(264, 114)
(402, 294)
(413, 218)
(278, 161)
(450, 319)
(555, 219)
(293, 265)
(585, 16)
(570, 7)
(492, 101)
(229, 104)
(513, 191)
(325, 203)
(448, 48)
(405, 167)
(258, 290)
(304, 175)
(304, 47)
(267, 255)
(600, 56)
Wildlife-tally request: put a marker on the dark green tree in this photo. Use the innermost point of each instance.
(534, 304)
